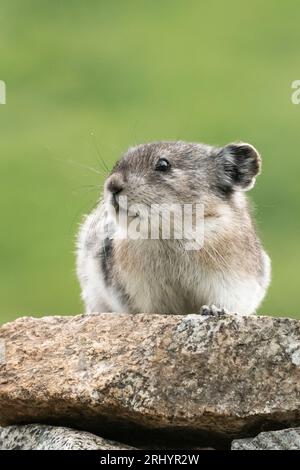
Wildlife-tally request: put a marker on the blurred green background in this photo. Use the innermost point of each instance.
(129, 72)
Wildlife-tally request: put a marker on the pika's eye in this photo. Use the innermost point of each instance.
(162, 165)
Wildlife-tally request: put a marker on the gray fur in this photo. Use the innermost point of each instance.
(231, 271)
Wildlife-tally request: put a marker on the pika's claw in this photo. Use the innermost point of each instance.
(212, 311)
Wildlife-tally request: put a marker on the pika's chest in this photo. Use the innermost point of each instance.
(157, 279)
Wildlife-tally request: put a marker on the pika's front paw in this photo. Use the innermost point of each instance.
(212, 311)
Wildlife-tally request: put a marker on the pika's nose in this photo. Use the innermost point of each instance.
(115, 184)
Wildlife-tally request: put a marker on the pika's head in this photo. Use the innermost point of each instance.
(180, 172)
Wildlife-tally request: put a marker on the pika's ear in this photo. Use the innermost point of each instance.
(238, 165)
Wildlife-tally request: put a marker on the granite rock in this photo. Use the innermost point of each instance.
(285, 439)
(227, 376)
(43, 437)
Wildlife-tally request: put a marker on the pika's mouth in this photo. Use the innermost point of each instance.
(122, 207)
(115, 201)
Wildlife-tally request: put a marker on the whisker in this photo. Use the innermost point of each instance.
(99, 156)
(87, 188)
(81, 165)
(86, 167)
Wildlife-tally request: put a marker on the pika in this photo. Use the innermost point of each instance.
(229, 272)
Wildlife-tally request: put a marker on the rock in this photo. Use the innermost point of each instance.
(120, 374)
(286, 439)
(42, 437)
